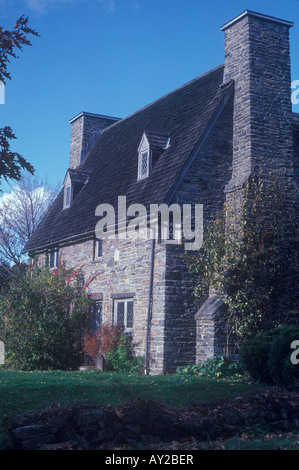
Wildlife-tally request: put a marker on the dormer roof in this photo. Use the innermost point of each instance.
(157, 141)
(76, 176)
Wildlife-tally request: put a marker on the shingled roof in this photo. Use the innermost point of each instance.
(185, 115)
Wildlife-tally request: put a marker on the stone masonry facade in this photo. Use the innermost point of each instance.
(123, 272)
(252, 132)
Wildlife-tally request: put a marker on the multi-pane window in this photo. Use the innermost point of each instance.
(67, 196)
(96, 316)
(54, 257)
(144, 164)
(123, 313)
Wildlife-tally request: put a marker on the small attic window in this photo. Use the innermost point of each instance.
(73, 183)
(144, 164)
(67, 195)
(143, 158)
(149, 151)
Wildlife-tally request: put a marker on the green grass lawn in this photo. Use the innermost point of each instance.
(31, 391)
(22, 392)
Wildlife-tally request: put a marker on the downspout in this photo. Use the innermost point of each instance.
(150, 294)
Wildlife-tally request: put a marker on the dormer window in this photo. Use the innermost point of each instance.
(144, 164)
(143, 158)
(67, 195)
(150, 149)
(73, 183)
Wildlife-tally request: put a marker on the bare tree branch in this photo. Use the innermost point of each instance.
(20, 213)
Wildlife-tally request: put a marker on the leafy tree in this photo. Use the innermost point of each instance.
(250, 256)
(43, 317)
(12, 163)
(4, 276)
(7, 272)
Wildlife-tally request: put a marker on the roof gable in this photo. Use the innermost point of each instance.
(76, 176)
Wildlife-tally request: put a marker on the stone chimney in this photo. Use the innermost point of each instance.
(257, 59)
(86, 127)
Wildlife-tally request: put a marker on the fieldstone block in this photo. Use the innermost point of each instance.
(28, 432)
(86, 417)
(102, 435)
(37, 442)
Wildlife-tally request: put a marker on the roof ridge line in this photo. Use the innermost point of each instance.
(163, 97)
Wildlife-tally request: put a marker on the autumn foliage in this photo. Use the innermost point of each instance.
(102, 341)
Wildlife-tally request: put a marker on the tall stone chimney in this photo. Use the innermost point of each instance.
(257, 58)
(86, 127)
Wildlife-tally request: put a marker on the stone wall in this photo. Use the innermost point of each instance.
(124, 267)
(204, 184)
(123, 271)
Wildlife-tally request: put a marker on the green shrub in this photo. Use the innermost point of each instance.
(254, 355)
(122, 359)
(42, 319)
(218, 367)
(282, 370)
(267, 356)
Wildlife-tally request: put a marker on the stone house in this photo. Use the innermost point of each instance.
(194, 146)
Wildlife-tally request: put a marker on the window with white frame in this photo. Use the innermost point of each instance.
(150, 149)
(67, 196)
(54, 257)
(98, 248)
(73, 183)
(144, 164)
(123, 313)
(143, 158)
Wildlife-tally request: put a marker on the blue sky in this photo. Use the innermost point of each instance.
(111, 57)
